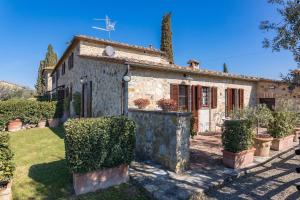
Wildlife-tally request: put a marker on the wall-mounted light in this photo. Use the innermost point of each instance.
(127, 78)
(83, 79)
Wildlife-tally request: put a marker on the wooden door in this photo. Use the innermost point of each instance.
(195, 107)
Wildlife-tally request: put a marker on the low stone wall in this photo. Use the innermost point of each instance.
(163, 137)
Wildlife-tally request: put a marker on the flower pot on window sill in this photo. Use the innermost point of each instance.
(42, 124)
(14, 125)
(100, 179)
(281, 144)
(53, 122)
(6, 192)
(238, 160)
(262, 144)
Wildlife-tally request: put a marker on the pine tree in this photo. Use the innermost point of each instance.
(40, 84)
(49, 62)
(166, 37)
(225, 69)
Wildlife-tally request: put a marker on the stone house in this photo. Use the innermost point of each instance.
(111, 75)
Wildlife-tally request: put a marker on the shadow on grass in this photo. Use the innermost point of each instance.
(59, 131)
(53, 179)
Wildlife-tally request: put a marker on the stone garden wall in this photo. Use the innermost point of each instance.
(163, 137)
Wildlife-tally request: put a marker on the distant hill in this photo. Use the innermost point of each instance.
(11, 90)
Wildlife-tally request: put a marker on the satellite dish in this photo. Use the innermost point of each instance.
(109, 51)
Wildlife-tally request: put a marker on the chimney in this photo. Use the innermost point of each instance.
(193, 64)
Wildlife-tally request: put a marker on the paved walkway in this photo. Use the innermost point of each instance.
(275, 180)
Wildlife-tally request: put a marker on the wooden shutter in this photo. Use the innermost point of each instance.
(229, 100)
(188, 97)
(193, 99)
(214, 97)
(241, 98)
(199, 98)
(174, 93)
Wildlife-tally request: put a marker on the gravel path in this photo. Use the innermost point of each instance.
(275, 180)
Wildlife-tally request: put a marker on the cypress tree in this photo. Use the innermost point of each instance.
(49, 62)
(166, 37)
(225, 69)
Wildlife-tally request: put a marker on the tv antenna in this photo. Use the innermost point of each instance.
(109, 25)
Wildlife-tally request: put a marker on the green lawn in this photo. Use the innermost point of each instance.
(41, 171)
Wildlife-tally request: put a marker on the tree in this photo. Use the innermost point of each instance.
(287, 31)
(166, 37)
(225, 69)
(49, 62)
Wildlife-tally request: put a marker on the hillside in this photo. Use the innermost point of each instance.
(11, 90)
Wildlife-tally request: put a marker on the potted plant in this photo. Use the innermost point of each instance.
(141, 103)
(167, 104)
(237, 140)
(53, 112)
(281, 129)
(7, 167)
(14, 125)
(42, 123)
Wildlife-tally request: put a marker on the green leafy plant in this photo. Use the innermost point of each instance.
(237, 135)
(77, 103)
(7, 166)
(282, 124)
(97, 143)
(193, 133)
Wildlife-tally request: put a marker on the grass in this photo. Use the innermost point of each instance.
(41, 171)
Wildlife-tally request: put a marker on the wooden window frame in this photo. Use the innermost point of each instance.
(184, 96)
(71, 61)
(205, 100)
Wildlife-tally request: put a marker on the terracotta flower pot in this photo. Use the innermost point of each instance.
(262, 145)
(53, 122)
(6, 193)
(296, 134)
(238, 160)
(281, 144)
(14, 125)
(42, 124)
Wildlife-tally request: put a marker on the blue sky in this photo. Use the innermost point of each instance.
(212, 32)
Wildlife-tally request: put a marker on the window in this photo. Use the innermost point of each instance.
(57, 75)
(183, 97)
(205, 99)
(71, 61)
(63, 68)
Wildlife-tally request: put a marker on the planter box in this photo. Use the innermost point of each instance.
(6, 193)
(262, 146)
(238, 160)
(100, 179)
(281, 144)
(42, 124)
(53, 122)
(14, 125)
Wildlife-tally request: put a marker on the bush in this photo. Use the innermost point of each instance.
(167, 104)
(97, 143)
(28, 111)
(77, 103)
(141, 103)
(237, 135)
(282, 124)
(7, 166)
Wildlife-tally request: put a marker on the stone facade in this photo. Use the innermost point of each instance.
(154, 85)
(163, 137)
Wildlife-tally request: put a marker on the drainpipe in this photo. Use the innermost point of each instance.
(125, 80)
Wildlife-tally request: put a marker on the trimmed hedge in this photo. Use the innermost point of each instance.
(7, 166)
(98, 143)
(282, 124)
(237, 135)
(29, 111)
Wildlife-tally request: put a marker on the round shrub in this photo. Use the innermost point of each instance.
(97, 143)
(282, 124)
(237, 135)
(7, 166)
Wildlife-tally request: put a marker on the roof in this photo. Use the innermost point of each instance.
(77, 38)
(176, 68)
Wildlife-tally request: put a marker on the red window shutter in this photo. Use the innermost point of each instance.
(174, 93)
(199, 98)
(214, 97)
(229, 100)
(188, 97)
(241, 98)
(193, 99)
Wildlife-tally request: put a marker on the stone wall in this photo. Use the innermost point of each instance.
(106, 80)
(284, 98)
(163, 137)
(154, 85)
